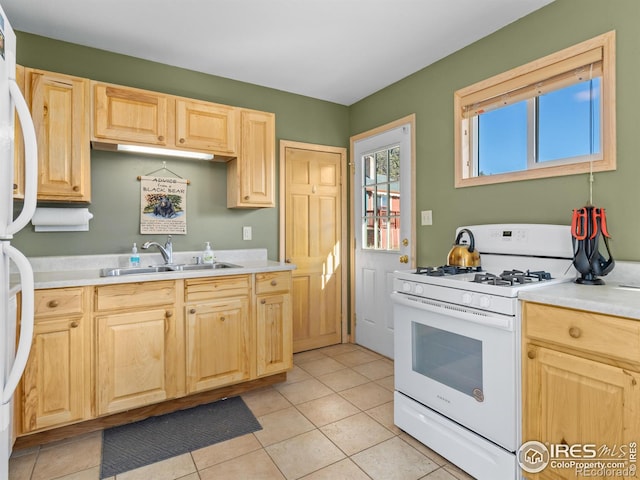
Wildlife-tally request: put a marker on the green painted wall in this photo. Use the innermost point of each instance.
(116, 191)
(429, 94)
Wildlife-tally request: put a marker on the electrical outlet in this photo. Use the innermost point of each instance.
(427, 217)
(246, 233)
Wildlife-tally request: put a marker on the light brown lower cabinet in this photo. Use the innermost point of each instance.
(274, 329)
(135, 345)
(55, 388)
(99, 350)
(219, 331)
(218, 343)
(135, 352)
(581, 382)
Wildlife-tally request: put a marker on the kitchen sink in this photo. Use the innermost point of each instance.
(116, 272)
(204, 266)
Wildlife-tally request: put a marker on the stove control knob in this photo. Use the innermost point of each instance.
(485, 301)
(467, 298)
(406, 287)
(419, 289)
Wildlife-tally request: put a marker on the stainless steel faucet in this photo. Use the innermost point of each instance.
(166, 251)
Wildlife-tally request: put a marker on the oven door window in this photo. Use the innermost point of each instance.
(448, 358)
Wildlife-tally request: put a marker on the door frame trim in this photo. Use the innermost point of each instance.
(344, 208)
(410, 119)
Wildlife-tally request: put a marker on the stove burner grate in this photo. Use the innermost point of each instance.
(445, 270)
(490, 279)
(512, 277)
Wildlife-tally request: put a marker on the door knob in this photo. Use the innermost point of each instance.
(405, 242)
(404, 259)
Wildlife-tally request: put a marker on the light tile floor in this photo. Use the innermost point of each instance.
(332, 419)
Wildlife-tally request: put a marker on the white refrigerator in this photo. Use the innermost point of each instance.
(13, 352)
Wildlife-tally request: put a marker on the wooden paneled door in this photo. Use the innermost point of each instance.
(312, 226)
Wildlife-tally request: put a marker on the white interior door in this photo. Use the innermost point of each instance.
(384, 227)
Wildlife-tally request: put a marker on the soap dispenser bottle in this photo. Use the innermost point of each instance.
(134, 259)
(207, 255)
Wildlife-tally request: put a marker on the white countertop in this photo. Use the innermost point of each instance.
(616, 297)
(81, 270)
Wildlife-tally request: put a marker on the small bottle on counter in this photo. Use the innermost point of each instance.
(207, 255)
(134, 259)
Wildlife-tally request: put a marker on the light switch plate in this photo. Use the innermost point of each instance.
(427, 217)
(246, 233)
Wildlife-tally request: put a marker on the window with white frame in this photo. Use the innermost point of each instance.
(554, 116)
(381, 199)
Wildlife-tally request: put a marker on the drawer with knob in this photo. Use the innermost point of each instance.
(595, 333)
(270, 282)
(135, 295)
(201, 289)
(58, 301)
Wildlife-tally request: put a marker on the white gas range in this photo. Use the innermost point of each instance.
(457, 344)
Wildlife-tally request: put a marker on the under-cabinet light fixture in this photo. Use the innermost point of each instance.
(165, 151)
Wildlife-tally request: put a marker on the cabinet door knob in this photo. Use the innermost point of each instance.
(169, 313)
(181, 140)
(575, 332)
(53, 303)
(161, 138)
(76, 188)
(193, 310)
(531, 354)
(15, 186)
(246, 197)
(74, 324)
(263, 301)
(273, 283)
(222, 319)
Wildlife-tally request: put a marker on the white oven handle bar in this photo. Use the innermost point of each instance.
(484, 318)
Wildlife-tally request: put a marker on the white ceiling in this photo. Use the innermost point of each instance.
(335, 50)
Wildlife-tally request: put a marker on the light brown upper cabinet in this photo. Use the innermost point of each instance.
(123, 114)
(59, 106)
(251, 176)
(245, 138)
(206, 126)
(18, 153)
(141, 117)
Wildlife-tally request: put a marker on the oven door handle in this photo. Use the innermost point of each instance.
(489, 320)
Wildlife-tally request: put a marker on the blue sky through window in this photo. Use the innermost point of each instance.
(568, 126)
